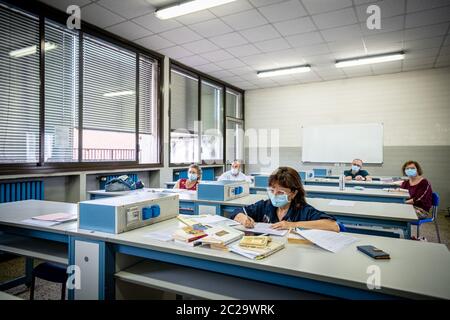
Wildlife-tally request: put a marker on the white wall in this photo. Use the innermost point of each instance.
(413, 106)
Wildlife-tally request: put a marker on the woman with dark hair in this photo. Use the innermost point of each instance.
(286, 207)
(418, 187)
(194, 176)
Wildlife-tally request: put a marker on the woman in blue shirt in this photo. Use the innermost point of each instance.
(287, 207)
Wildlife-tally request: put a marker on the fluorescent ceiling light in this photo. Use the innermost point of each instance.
(370, 59)
(188, 7)
(284, 71)
(118, 93)
(30, 50)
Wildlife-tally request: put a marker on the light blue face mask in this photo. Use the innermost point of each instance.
(278, 200)
(355, 168)
(192, 176)
(411, 172)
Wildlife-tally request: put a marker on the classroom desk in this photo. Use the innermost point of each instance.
(369, 214)
(349, 193)
(299, 267)
(31, 241)
(306, 267)
(382, 215)
(352, 183)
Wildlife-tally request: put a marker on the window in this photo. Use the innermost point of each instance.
(109, 102)
(61, 94)
(117, 84)
(148, 124)
(19, 87)
(212, 122)
(184, 140)
(234, 108)
(234, 127)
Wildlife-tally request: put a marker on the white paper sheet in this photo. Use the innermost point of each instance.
(212, 219)
(163, 235)
(328, 240)
(40, 223)
(261, 227)
(342, 203)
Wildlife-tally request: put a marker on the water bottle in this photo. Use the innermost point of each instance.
(341, 182)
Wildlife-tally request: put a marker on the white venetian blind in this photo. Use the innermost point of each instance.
(109, 87)
(61, 93)
(146, 94)
(19, 87)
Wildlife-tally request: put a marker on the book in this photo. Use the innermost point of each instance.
(257, 253)
(294, 237)
(188, 234)
(255, 241)
(221, 235)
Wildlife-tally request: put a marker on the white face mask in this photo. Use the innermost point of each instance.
(234, 171)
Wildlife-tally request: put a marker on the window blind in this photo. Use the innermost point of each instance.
(61, 94)
(147, 103)
(19, 87)
(109, 87)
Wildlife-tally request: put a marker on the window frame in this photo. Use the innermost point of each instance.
(43, 11)
(173, 64)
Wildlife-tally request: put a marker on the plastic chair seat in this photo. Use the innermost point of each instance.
(51, 272)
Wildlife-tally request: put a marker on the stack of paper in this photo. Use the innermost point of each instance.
(207, 219)
(52, 219)
(328, 240)
(261, 227)
(254, 253)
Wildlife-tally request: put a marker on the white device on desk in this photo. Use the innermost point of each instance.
(124, 213)
(222, 190)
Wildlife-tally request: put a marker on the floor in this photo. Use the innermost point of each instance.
(12, 267)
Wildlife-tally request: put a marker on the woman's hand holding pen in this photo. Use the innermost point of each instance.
(245, 220)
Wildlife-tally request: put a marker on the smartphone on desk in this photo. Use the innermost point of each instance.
(374, 252)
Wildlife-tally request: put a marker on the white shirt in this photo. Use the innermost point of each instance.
(239, 177)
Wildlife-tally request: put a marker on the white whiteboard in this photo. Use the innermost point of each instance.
(342, 143)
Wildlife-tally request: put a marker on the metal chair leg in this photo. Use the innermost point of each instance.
(63, 291)
(33, 282)
(418, 231)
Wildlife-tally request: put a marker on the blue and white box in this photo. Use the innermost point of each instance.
(222, 190)
(124, 213)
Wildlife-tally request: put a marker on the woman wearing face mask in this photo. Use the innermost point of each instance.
(194, 176)
(287, 207)
(418, 187)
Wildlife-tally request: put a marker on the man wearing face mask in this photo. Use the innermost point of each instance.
(356, 172)
(287, 207)
(235, 174)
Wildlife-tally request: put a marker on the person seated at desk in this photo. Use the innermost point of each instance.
(418, 187)
(287, 207)
(194, 176)
(356, 172)
(235, 174)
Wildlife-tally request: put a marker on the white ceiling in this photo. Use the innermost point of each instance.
(234, 41)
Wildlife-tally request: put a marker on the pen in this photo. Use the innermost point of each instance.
(245, 211)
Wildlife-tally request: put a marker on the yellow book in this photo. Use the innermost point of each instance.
(255, 241)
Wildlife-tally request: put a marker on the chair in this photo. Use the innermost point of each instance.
(341, 227)
(434, 212)
(52, 272)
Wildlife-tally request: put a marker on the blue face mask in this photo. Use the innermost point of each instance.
(355, 168)
(411, 172)
(192, 176)
(278, 200)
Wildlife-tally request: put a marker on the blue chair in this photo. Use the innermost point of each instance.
(434, 212)
(52, 272)
(341, 227)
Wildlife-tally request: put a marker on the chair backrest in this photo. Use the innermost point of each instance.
(341, 227)
(434, 204)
